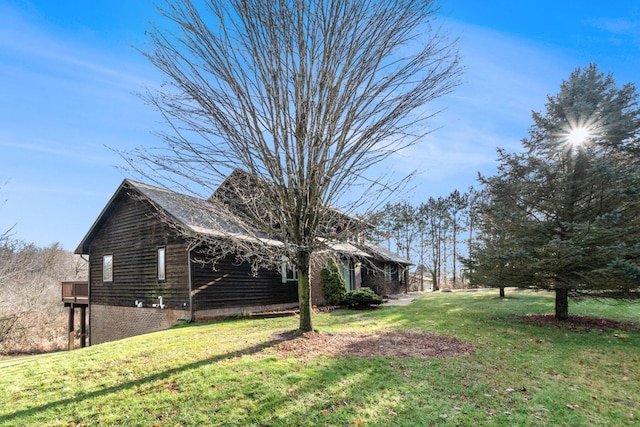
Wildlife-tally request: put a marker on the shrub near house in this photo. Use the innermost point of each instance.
(362, 299)
(334, 287)
(335, 292)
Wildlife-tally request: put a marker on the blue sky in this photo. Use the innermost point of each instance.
(69, 74)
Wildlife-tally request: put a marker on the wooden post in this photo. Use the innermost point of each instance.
(83, 326)
(71, 326)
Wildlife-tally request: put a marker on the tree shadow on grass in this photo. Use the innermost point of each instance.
(28, 412)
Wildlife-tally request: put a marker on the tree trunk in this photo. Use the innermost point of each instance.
(455, 272)
(501, 292)
(444, 264)
(562, 304)
(304, 290)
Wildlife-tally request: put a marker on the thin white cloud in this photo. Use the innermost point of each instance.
(63, 100)
(618, 26)
(506, 79)
(40, 51)
(85, 154)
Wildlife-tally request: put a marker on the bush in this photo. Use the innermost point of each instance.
(362, 299)
(334, 287)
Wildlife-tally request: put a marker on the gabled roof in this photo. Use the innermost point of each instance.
(240, 185)
(194, 214)
(202, 216)
(345, 248)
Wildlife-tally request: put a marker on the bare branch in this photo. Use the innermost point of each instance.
(307, 96)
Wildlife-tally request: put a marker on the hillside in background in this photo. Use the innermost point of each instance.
(32, 316)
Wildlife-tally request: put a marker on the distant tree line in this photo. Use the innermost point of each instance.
(32, 316)
(562, 215)
(434, 234)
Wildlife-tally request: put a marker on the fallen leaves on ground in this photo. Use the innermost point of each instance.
(387, 343)
(578, 322)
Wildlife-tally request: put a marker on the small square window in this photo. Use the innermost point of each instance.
(161, 264)
(107, 268)
(292, 274)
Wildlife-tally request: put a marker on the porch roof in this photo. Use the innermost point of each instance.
(382, 254)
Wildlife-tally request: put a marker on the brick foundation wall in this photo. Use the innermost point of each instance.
(109, 323)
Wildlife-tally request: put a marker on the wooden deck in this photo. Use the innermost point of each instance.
(76, 293)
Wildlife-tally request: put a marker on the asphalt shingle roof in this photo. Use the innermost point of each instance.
(211, 218)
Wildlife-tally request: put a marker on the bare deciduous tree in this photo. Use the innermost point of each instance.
(305, 97)
(31, 313)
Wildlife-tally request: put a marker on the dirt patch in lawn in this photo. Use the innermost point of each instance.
(384, 343)
(578, 322)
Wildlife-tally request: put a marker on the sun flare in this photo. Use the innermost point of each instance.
(577, 136)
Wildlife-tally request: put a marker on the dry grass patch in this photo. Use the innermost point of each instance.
(387, 343)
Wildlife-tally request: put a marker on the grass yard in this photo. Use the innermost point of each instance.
(232, 373)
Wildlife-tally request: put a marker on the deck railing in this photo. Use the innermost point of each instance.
(76, 292)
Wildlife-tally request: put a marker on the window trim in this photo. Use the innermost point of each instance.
(292, 274)
(288, 271)
(346, 268)
(161, 264)
(107, 268)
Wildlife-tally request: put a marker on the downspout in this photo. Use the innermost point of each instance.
(189, 249)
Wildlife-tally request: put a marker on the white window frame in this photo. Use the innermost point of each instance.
(162, 264)
(292, 274)
(107, 268)
(288, 271)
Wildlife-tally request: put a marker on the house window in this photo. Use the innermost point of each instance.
(346, 271)
(288, 271)
(357, 274)
(107, 268)
(161, 264)
(387, 272)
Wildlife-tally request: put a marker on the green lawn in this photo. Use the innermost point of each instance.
(224, 373)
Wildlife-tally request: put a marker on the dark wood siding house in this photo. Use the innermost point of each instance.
(390, 272)
(364, 264)
(145, 274)
(144, 277)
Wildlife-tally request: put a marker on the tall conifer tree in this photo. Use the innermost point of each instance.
(563, 214)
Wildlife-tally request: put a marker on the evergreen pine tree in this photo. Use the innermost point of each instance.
(563, 214)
